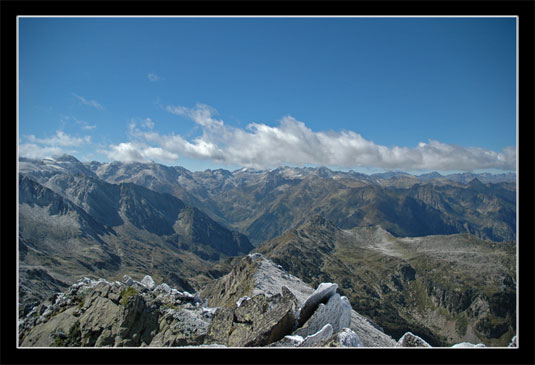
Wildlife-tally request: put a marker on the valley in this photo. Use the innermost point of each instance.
(430, 254)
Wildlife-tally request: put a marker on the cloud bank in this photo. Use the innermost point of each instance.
(293, 143)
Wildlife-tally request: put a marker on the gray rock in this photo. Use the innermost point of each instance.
(148, 282)
(411, 340)
(320, 295)
(181, 327)
(468, 344)
(257, 322)
(513, 342)
(127, 280)
(163, 288)
(324, 333)
(345, 338)
(369, 333)
(288, 341)
(337, 312)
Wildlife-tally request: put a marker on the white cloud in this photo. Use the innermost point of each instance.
(153, 77)
(293, 143)
(58, 144)
(92, 103)
(31, 150)
(137, 152)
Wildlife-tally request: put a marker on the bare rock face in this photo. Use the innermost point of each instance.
(102, 314)
(320, 295)
(256, 322)
(369, 333)
(337, 312)
(411, 340)
(323, 334)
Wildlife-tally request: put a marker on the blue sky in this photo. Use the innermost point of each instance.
(414, 94)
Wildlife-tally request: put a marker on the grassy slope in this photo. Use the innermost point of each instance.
(448, 289)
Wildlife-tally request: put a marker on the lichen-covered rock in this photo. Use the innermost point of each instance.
(129, 313)
(411, 340)
(100, 313)
(182, 327)
(256, 322)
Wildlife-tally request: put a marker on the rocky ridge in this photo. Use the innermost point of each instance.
(130, 313)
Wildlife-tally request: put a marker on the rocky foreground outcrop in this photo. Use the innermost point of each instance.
(257, 304)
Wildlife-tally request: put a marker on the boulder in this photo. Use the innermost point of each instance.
(256, 322)
(336, 312)
(468, 344)
(323, 334)
(320, 295)
(163, 288)
(411, 340)
(127, 280)
(181, 327)
(288, 341)
(345, 338)
(148, 282)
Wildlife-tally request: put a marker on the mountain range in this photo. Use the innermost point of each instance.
(264, 204)
(433, 254)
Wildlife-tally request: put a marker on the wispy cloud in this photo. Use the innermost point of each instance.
(86, 126)
(92, 103)
(293, 143)
(60, 139)
(52, 146)
(153, 77)
(31, 150)
(148, 123)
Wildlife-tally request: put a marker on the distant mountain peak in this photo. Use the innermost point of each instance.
(431, 175)
(476, 183)
(318, 222)
(66, 158)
